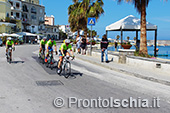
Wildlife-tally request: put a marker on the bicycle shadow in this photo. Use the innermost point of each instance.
(74, 74)
(17, 62)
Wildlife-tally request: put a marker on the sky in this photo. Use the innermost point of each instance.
(158, 13)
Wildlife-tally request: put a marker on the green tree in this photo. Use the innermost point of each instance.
(62, 35)
(74, 19)
(84, 9)
(94, 33)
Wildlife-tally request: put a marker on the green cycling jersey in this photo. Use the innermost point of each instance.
(65, 47)
(50, 43)
(43, 42)
(9, 43)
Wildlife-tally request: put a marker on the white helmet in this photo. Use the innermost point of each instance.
(44, 38)
(9, 38)
(67, 41)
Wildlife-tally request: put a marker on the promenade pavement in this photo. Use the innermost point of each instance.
(151, 75)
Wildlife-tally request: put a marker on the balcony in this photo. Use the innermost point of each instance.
(16, 8)
(24, 20)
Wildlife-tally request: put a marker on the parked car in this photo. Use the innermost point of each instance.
(1, 43)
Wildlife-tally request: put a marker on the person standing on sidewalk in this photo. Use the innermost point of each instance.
(104, 45)
(83, 45)
(78, 43)
(116, 45)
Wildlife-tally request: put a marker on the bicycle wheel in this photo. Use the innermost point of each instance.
(10, 59)
(7, 59)
(59, 72)
(46, 63)
(42, 57)
(67, 69)
(39, 59)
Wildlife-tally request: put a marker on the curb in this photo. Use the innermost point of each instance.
(164, 82)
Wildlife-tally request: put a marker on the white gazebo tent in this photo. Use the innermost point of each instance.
(131, 23)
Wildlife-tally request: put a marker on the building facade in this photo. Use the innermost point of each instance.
(50, 31)
(49, 20)
(16, 13)
(6, 24)
(32, 16)
(16, 9)
(5, 9)
(64, 28)
(32, 1)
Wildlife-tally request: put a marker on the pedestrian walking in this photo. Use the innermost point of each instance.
(104, 45)
(83, 45)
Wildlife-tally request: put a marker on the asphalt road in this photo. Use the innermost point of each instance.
(26, 86)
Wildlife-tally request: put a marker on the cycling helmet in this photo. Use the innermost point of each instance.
(67, 41)
(44, 38)
(9, 38)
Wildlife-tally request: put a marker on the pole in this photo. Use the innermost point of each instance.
(91, 43)
(137, 48)
(121, 36)
(155, 53)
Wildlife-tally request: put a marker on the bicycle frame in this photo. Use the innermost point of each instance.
(50, 56)
(9, 54)
(64, 67)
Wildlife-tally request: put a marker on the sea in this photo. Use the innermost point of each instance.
(164, 51)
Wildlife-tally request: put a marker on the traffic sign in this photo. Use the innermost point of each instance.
(91, 21)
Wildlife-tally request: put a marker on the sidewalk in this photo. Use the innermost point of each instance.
(151, 75)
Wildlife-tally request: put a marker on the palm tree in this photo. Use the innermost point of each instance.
(141, 5)
(94, 33)
(73, 12)
(85, 9)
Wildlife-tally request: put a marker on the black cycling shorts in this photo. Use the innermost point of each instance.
(8, 46)
(43, 47)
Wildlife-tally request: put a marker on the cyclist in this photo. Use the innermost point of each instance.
(63, 51)
(42, 45)
(50, 45)
(9, 43)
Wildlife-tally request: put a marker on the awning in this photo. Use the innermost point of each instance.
(7, 24)
(14, 35)
(5, 34)
(129, 23)
(26, 34)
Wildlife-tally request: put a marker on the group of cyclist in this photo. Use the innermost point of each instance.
(48, 46)
(63, 50)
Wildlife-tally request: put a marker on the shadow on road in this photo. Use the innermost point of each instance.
(16, 62)
(74, 73)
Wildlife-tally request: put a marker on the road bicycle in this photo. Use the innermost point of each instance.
(42, 56)
(9, 55)
(50, 60)
(65, 66)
